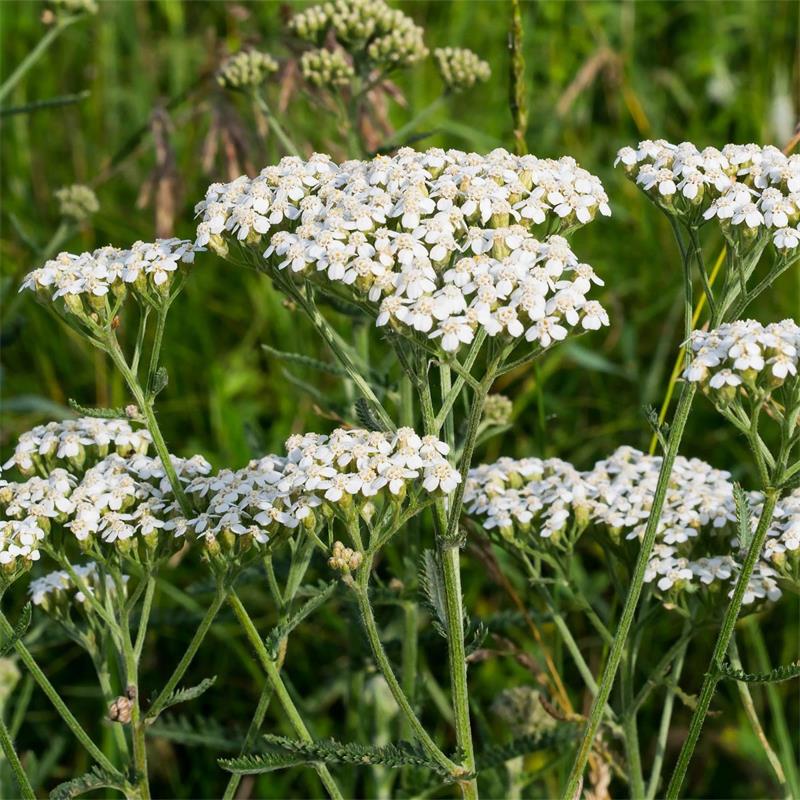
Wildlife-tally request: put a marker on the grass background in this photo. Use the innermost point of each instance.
(155, 130)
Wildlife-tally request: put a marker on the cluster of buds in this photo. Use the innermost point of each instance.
(326, 69)
(369, 29)
(58, 594)
(72, 7)
(77, 202)
(246, 69)
(75, 444)
(520, 709)
(749, 189)
(92, 286)
(745, 359)
(460, 68)
(344, 559)
(497, 409)
(437, 244)
(121, 708)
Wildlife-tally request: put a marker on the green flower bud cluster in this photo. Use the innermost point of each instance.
(246, 69)
(497, 409)
(77, 202)
(59, 594)
(326, 68)
(69, 7)
(387, 37)
(460, 68)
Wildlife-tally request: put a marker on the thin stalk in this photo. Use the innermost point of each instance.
(155, 352)
(52, 695)
(25, 788)
(19, 73)
(721, 646)
(194, 645)
(629, 726)
(785, 745)
(104, 679)
(666, 717)
(137, 723)
(144, 617)
(279, 687)
(360, 588)
(637, 581)
(288, 145)
(752, 717)
(146, 408)
(396, 138)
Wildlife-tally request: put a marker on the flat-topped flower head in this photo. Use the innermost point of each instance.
(126, 506)
(91, 286)
(60, 595)
(747, 189)
(528, 498)
(460, 68)
(75, 444)
(341, 475)
(745, 358)
(77, 202)
(437, 245)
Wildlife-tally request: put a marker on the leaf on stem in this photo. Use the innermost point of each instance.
(197, 732)
(777, 675)
(433, 592)
(743, 513)
(189, 693)
(96, 778)
(284, 752)
(499, 754)
(20, 629)
(273, 639)
(365, 418)
(99, 413)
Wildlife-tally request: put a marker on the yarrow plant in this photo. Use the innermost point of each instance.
(452, 269)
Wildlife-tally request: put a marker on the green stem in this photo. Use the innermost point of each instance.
(360, 587)
(137, 723)
(144, 617)
(18, 74)
(787, 748)
(155, 352)
(637, 581)
(278, 686)
(721, 646)
(397, 137)
(666, 716)
(629, 726)
(146, 408)
(25, 788)
(104, 679)
(194, 645)
(288, 145)
(752, 717)
(53, 696)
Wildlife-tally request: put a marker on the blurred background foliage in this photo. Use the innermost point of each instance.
(155, 129)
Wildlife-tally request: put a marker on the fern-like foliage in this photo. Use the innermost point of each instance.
(100, 413)
(183, 695)
(743, 512)
(305, 361)
(777, 675)
(499, 754)
(319, 598)
(432, 588)
(365, 417)
(97, 778)
(282, 752)
(20, 629)
(196, 732)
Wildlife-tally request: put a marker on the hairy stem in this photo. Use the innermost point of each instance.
(278, 686)
(25, 788)
(637, 581)
(52, 695)
(721, 646)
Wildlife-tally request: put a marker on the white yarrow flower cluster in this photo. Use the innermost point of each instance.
(435, 244)
(696, 546)
(89, 283)
(75, 444)
(336, 473)
(744, 356)
(529, 494)
(749, 189)
(57, 591)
